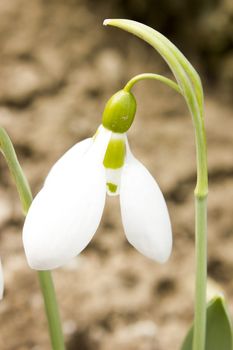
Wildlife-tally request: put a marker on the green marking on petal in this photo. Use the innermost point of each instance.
(112, 187)
(115, 154)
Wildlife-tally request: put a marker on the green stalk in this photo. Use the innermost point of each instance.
(201, 272)
(191, 88)
(45, 277)
(52, 311)
(152, 76)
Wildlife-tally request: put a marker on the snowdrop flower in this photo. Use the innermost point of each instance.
(67, 211)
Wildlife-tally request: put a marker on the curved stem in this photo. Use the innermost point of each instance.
(7, 149)
(190, 85)
(45, 277)
(152, 76)
(192, 93)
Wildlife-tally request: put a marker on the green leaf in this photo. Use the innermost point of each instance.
(218, 328)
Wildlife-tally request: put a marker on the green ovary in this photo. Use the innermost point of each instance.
(119, 112)
(115, 154)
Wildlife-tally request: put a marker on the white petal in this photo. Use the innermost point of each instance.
(66, 213)
(102, 139)
(144, 212)
(1, 281)
(72, 156)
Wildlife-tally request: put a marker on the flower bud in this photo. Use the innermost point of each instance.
(119, 112)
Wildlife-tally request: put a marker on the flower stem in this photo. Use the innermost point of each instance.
(52, 312)
(201, 272)
(190, 87)
(45, 277)
(151, 76)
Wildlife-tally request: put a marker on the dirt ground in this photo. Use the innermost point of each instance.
(58, 67)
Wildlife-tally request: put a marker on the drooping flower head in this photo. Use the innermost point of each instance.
(67, 211)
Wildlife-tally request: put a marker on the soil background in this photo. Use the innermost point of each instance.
(58, 67)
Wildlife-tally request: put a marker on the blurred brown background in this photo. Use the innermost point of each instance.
(58, 67)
